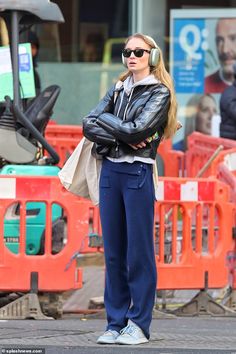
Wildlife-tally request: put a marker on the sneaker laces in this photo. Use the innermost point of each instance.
(129, 329)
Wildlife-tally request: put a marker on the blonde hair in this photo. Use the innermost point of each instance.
(160, 72)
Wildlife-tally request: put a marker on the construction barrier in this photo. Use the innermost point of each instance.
(230, 299)
(173, 160)
(51, 272)
(193, 218)
(64, 139)
(64, 131)
(194, 223)
(224, 168)
(200, 148)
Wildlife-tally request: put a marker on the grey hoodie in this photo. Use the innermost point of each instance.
(129, 86)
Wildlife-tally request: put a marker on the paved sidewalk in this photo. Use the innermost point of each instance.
(78, 335)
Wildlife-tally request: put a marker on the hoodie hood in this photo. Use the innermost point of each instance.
(129, 84)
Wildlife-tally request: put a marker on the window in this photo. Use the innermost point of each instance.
(87, 28)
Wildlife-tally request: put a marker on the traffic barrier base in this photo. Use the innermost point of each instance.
(26, 307)
(203, 304)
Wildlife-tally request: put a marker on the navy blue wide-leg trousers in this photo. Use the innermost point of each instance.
(127, 216)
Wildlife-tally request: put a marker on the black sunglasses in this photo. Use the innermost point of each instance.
(137, 52)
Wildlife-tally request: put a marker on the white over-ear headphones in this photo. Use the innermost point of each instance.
(154, 56)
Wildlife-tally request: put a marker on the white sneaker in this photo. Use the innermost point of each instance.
(131, 334)
(108, 337)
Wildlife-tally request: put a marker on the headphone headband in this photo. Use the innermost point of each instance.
(151, 40)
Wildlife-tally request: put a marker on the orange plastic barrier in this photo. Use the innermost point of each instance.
(64, 147)
(200, 149)
(173, 160)
(225, 175)
(231, 263)
(193, 233)
(224, 168)
(64, 131)
(56, 272)
(64, 139)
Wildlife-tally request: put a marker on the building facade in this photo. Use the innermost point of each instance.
(83, 55)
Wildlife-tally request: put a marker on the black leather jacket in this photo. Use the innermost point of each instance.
(130, 120)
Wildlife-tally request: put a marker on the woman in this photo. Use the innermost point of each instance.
(205, 110)
(127, 126)
(201, 116)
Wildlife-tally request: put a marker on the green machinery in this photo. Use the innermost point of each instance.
(35, 213)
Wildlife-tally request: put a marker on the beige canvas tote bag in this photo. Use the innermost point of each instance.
(81, 172)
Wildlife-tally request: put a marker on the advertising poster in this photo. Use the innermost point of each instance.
(25, 68)
(202, 55)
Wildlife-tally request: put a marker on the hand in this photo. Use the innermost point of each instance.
(139, 145)
(179, 125)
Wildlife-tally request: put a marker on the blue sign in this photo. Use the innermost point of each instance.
(25, 71)
(24, 62)
(190, 43)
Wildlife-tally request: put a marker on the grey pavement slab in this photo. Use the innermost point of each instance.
(78, 335)
(93, 286)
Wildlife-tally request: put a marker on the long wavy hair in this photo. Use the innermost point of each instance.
(160, 72)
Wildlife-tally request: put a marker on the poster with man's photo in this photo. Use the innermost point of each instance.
(202, 58)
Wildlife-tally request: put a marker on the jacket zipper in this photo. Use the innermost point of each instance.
(117, 149)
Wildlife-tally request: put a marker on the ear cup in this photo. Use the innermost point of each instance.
(155, 52)
(124, 61)
(154, 57)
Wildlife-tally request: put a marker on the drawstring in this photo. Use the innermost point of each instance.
(130, 95)
(120, 103)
